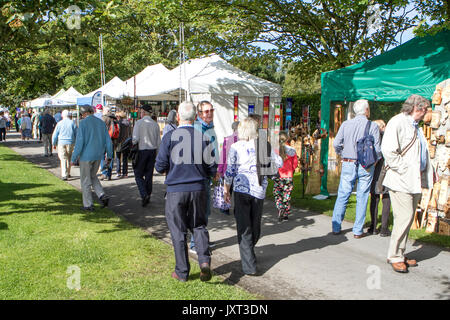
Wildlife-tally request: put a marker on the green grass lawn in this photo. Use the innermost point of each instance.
(43, 233)
(326, 207)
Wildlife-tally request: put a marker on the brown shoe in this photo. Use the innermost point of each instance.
(411, 262)
(205, 272)
(399, 267)
(175, 276)
(359, 236)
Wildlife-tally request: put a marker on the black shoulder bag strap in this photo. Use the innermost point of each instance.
(258, 161)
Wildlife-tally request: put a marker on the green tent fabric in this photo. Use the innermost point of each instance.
(415, 67)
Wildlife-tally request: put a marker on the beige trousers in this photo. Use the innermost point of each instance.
(88, 179)
(404, 207)
(47, 138)
(64, 155)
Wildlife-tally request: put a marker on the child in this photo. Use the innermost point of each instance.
(282, 186)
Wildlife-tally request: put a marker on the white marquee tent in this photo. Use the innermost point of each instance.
(114, 89)
(213, 79)
(145, 78)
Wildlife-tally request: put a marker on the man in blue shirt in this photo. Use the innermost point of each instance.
(64, 137)
(345, 145)
(92, 142)
(182, 156)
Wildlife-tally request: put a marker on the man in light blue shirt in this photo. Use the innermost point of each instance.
(64, 137)
(58, 117)
(345, 145)
(92, 142)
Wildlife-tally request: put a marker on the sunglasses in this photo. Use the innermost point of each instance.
(207, 111)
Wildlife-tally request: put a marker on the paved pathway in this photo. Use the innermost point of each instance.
(298, 259)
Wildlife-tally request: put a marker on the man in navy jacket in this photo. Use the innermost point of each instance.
(183, 155)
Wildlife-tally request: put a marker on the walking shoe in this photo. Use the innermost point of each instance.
(212, 244)
(102, 177)
(399, 267)
(193, 250)
(175, 276)
(104, 200)
(411, 262)
(286, 218)
(91, 208)
(385, 234)
(145, 201)
(64, 178)
(205, 272)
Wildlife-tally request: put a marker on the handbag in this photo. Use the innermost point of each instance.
(125, 145)
(218, 199)
(266, 164)
(379, 185)
(134, 154)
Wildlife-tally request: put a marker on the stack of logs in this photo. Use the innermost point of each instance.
(433, 211)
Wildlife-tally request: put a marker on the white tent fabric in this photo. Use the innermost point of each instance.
(145, 78)
(213, 79)
(211, 75)
(114, 89)
(38, 102)
(60, 92)
(63, 98)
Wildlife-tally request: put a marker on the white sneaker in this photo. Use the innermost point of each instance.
(193, 250)
(212, 244)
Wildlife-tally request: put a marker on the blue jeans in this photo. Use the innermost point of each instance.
(349, 174)
(106, 171)
(207, 209)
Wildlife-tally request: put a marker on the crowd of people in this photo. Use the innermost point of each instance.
(189, 157)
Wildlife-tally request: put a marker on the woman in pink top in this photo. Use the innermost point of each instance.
(282, 186)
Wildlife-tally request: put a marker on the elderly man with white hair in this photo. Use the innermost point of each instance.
(345, 145)
(64, 139)
(405, 151)
(180, 156)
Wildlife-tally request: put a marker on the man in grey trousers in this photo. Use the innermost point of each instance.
(91, 144)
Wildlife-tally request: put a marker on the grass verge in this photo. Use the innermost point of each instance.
(326, 207)
(43, 234)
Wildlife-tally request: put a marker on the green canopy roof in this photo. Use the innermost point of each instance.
(415, 67)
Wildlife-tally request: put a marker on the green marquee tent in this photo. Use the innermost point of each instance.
(415, 67)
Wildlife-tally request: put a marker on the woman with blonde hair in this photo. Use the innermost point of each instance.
(249, 189)
(283, 185)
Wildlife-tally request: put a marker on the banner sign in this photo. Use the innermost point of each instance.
(266, 103)
(288, 112)
(251, 108)
(236, 106)
(97, 99)
(277, 117)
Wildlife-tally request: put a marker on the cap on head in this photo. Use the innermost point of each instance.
(147, 108)
(86, 109)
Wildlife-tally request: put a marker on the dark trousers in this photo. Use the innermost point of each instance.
(186, 211)
(374, 200)
(248, 214)
(122, 168)
(2, 134)
(143, 172)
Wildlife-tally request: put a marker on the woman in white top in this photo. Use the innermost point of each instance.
(249, 193)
